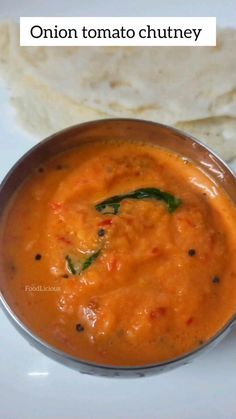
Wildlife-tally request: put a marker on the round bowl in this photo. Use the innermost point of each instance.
(115, 129)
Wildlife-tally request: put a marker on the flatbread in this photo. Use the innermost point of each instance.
(193, 88)
(170, 83)
(43, 110)
(4, 46)
(219, 133)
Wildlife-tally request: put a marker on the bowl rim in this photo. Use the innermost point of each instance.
(28, 332)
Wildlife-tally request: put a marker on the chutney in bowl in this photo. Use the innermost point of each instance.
(117, 246)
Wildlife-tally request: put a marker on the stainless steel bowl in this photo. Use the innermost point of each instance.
(115, 129)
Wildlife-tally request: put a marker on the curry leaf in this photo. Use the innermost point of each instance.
(70, 265)
(90, 260)
(76, 269)
(112, 205)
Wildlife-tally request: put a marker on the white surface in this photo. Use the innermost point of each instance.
(34, 387)
(224, 10)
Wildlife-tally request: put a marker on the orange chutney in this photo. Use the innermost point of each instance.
(132, 283)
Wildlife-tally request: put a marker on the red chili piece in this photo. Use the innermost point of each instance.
(64, 240)
(106, 222)
(158, 312)
(189, 321)
(56, 206)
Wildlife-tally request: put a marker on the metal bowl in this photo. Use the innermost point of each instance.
(115, 129)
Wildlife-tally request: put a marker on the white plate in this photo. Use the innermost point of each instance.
(32, 386)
